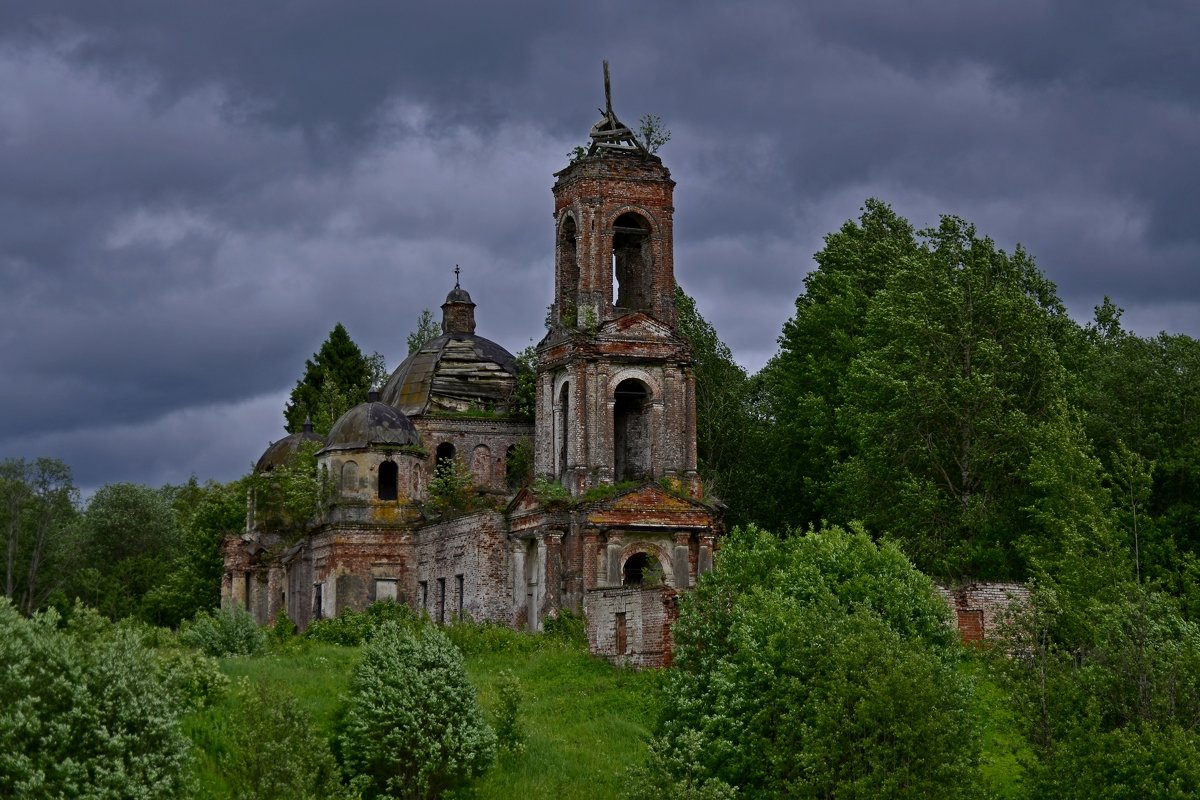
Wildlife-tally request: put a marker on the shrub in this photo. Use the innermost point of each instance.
(229, 632)
(819, 665)
(273, 750)
(566, 627)
(510, 733)
(413, 725)
(84, 716)
(352, 628)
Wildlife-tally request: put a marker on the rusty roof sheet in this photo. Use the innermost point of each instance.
(450, 373)
(371, 424)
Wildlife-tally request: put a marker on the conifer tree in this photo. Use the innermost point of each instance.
(337, 377)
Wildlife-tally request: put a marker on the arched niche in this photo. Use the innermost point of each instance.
(349, 482)
(631, 431)
(568, 264)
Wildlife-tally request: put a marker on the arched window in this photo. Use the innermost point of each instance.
(349, 477)
(389, 474)
(633, 273)
(562, 422)
(635, 569)
(631, 431)
(444, 456)
(568, 267)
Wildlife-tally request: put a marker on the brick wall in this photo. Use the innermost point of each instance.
(631, 625)
(979, 608)
(474, 547)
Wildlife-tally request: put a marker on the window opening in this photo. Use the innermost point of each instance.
(568, 271)
(458, 595)
(631, 431)
(633, 280)
(442, 600)
(563, 418)
(423, 595)
(635, 569)
(318, 603)
(444, 455)
(246, 591)
(620, 635)
(389, 478)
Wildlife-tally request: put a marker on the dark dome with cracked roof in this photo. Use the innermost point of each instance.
(281, 452)
(454, 372)
(371, 423)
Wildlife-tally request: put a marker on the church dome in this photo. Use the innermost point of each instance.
(371, 423)
(281, 452)
(454, 372)
(457, 371)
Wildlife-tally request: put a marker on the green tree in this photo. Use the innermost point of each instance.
(427, 328)
(337, 377)
(206, 513)
(726, 437)
(414, 728)
(84, 715)
(958, 367)
(819, 665)
(652, 133)
(274, 752)
(288, 498)
(37, 511)
(803, 388)
(525, 395)
(129, 539)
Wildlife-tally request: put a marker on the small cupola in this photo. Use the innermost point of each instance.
(458, 312)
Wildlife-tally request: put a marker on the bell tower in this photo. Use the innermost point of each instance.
(616, 393)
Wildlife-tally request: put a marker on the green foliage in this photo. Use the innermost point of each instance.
(652, 133)
(37, 515)
(519, 466)
(413, 726)
(567, 627)
(231, 631)
(510, 732)
(83, 715)
(551, 493)
(577, 152)
(337, 377)
(272, 750)
(427, 328)
(352, 628)
(206, 513)
(288, 498)
(819, 665)
(194, 679)
(452, 488)
(524, 399)
(604, 491)
(130, 537)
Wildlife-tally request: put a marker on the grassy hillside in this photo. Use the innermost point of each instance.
(585, 719)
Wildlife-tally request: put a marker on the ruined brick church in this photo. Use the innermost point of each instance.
(615, 407)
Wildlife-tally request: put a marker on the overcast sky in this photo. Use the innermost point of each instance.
(193, 194)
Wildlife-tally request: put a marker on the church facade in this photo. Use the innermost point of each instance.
(614, 425)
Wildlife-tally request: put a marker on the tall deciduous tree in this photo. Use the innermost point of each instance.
(37, 505)
(337, 377)
(427, 328)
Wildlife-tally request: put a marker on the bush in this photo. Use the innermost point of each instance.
(84, 716)
(274, 752)
(352, 628)
(816, 666)
(229, 632)
(413, 725)
(510, 733)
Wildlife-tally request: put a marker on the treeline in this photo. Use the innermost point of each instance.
(931, 386)
(131, 551)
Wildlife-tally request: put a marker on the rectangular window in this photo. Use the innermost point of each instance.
(317, 604)
(246, 592)
(385, 589)
(423, 595)
(620, 633)
(442, 600)
(458, 591)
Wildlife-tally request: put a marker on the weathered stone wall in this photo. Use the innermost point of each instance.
(979, 608)
(482, 444)
(631, 625)
(474, 549)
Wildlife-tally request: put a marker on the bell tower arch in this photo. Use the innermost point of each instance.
(614, 310)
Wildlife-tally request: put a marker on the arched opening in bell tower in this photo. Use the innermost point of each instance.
(568, 267)
(633, 273)
(562, 413)
(631, 431)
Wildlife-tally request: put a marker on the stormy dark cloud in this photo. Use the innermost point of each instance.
(192, 195)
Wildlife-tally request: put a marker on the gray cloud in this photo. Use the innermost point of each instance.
(191, 196)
